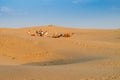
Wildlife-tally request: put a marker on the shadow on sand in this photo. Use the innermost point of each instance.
(64, 62)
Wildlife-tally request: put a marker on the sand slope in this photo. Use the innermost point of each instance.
(89, 54)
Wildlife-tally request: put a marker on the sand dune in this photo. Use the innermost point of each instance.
(89, 54)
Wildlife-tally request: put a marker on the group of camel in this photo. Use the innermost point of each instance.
(45, 33)
(62, 35)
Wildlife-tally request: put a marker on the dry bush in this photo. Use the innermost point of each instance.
(13, 58)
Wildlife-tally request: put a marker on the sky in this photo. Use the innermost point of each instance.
(103, 14)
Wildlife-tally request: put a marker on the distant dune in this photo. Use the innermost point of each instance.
(88, 54)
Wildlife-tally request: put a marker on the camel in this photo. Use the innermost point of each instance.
(62, 35)
(45, 33)
(32, 34)
(57, 35)
(67, 34)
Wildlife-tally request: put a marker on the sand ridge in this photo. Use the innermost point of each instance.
(89, 54)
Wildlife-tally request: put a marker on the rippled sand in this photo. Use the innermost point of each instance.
(89, 54)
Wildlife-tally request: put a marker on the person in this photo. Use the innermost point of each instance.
(40, 32)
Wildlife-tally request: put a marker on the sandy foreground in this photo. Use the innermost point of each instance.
(89, 54)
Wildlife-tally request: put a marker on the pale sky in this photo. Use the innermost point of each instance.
(69, 13)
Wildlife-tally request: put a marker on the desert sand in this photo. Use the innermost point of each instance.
(89, 54)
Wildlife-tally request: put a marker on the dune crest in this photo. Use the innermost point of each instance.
(78, 54)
